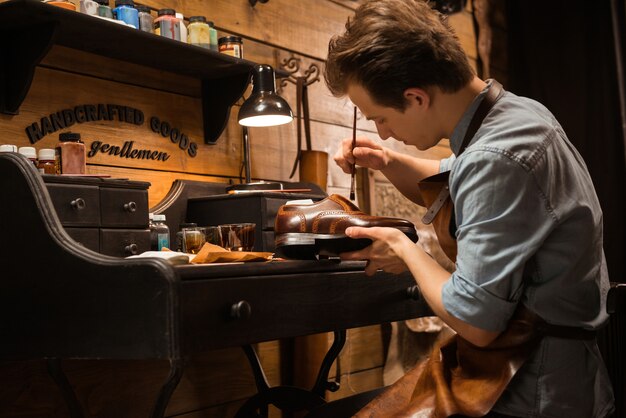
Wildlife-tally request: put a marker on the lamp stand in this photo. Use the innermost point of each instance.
(246, 153)
(248, 184)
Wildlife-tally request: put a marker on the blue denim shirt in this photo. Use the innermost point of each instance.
(530, 231)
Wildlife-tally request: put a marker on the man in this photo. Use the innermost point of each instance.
(528, 222)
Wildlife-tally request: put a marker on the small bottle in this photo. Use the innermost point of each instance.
(30, 153)
(181, 27)
(89, 7)
(159, 233)
(70, 154)
(62, 3)
(126, 12)
(146, 21)
(47, 161)
(231, 45)
(199, 32)
(104, 10)
(180, 244)
(213, 37)
(167, 25)
(8, 148)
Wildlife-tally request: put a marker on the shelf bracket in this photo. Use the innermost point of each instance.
(21, 55)
(218, 96)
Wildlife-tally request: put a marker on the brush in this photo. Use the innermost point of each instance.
(353, 176)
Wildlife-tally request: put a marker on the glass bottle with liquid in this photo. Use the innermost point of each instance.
(159, 233)
(70, 154)
(47, 161)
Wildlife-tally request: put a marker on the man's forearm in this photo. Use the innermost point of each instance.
(430, 278)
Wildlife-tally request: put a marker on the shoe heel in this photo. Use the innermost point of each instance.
(297, 252)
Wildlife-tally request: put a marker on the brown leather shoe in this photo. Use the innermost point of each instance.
(304, 231)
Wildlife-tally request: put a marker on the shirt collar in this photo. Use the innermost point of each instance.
(456, 139)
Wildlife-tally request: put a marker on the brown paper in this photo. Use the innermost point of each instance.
(211, 253)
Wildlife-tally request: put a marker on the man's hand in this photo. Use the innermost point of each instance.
(367, 153)
(386, 253)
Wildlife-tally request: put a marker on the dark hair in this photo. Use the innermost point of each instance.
(392, 45)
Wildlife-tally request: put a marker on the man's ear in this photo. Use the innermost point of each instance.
(417, 95)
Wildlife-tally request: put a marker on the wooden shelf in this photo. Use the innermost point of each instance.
(30, 28)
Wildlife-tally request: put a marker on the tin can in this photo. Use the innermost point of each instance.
(231, 45)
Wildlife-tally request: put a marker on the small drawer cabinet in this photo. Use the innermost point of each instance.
(109, 216)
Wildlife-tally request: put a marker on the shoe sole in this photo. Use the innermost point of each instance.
(308, 246)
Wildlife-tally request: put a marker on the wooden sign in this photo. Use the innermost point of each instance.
(66, 118)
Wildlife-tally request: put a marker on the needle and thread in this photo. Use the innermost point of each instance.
(353, 175)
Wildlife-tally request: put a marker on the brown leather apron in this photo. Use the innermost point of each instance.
(459, 377)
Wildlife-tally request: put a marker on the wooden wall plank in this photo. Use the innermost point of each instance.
(304, 25)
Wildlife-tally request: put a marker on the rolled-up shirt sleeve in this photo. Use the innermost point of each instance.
(502, 219)
(446, 163)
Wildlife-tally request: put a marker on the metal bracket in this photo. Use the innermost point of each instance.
(292, 65)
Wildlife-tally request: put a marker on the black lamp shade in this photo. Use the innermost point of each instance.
(264, 107)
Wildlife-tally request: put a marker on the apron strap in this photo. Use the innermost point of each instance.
(493, 95)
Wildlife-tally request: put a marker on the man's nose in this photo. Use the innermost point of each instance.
(383, 132)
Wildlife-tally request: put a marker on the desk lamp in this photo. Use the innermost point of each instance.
(264, 107)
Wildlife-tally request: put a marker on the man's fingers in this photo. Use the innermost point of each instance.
(361, 232)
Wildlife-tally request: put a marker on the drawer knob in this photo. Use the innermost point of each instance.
(241, 310)
(130, 207)
(413, 292)
(131, 249)
(78, 203)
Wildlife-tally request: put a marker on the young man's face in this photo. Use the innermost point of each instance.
(411, 126)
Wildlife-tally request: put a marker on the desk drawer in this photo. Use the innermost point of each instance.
(76, 205)
(289, 306)
(124, 242)
(123, 208)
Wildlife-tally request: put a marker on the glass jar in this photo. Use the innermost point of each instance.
(146, 20)
(213, 37)
(47, 161)
(126, 12)
(30, 153)
(181, 27)
(104, 10)
(64, 4)
(159, 233)
(70, 154)
(180, 244)
(167, 25)
(89, 7)
(198, 32)
(231, 45)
